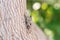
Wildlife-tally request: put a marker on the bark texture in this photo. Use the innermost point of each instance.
(15, 24)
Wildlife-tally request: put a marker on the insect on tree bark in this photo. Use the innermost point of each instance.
(14, 25)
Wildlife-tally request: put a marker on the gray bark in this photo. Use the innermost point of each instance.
(14, 25)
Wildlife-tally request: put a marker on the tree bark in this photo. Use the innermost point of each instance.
(15, 24)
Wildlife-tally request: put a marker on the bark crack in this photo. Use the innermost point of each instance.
(1, 38)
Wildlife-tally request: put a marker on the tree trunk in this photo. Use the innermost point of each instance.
(15, 24)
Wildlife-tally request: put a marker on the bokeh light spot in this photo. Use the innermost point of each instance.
(44, 6)
(36, 6)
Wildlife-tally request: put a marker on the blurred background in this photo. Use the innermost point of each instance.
(46, 14)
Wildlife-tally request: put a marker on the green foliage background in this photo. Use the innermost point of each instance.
(48, 18)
